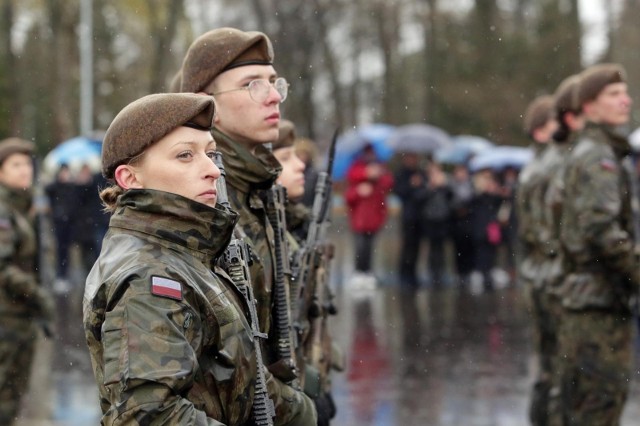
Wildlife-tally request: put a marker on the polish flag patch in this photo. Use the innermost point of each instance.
(166, 288)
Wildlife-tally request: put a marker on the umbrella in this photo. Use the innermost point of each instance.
(351, 143)
(419, 138)
(501, 157)
(75, 153)
(464, 147)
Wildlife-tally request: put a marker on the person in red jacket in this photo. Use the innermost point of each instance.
(368, 183)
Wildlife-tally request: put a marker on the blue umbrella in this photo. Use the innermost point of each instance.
(350, 144)
(501, 157)
(464, 147)
(75, 153)
(419, 138)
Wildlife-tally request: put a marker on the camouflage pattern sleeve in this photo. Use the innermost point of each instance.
(293, 408)
(19, 285)
(149, 361)
(600, 204)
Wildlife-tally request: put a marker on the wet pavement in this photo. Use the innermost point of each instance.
(430, 357)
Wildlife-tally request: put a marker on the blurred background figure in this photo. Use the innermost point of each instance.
(24, 303)
(368, 183)
(91, 221)
(62, 194)
(486, 228)
(461, 224)
(409, 179)
(437, 196)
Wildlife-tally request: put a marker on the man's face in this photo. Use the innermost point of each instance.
(240, 117)
(612, 106)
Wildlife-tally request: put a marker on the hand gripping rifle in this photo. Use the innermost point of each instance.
(314, 298)
(236, 261)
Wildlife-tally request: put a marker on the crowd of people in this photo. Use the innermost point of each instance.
(442, 205)
(207, 300)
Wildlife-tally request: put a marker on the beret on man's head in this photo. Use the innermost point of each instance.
(286, 135)
(538, 113)
(596, 77)
(566, 95)
(147, 120)
(220, 50)
(11, 146)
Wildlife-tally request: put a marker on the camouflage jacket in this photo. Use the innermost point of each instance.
(21, 296)
(597, 230)
(528, 209)
(553, 202)
(169, 339)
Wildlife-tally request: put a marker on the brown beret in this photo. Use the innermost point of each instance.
(538, 113)
(13, 146)
(220, 50)
(147, 120)
(596, 77)
(286, 136)
(566, 95)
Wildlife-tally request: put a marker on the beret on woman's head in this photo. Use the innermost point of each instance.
(147, 120)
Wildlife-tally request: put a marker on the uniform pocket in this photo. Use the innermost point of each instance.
(114, 344)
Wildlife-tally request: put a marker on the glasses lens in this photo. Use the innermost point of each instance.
(259, 89)
(282, 87)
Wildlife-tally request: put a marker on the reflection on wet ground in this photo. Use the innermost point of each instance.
(445, 357)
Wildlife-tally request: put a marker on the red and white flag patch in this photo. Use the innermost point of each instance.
(166, 288)
(608, 164)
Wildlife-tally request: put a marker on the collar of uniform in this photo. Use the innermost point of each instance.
(247, 171)
(19, 199)
(175, 220)
(616, 137)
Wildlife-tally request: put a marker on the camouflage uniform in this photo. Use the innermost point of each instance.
(597, 237)
(533, 181)
(169, 341)
(23, 302)
(554, 270)
(247, 176)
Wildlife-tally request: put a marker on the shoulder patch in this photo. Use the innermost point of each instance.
(166, 287)
(608, 164)
(5, 224)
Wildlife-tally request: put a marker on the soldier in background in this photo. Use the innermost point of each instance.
(539, 125)
(236, 67)
(570, 123)
(169, 341)
(598, 241)
(24, 304)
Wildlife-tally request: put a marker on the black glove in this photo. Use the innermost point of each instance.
(325, 407)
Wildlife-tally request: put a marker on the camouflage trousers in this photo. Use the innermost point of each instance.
(596, 354)
(545, 337)
(17, 343)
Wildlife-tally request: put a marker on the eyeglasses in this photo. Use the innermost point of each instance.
(259, 89)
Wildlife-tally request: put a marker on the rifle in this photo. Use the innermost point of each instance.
(236, 261)
(314, 298)
(285, 368)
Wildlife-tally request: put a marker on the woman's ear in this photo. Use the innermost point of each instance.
(126, 177)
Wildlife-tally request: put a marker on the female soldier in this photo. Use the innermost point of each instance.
(23, 303)
(169, 340)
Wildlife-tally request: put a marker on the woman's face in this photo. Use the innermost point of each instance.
(181, 163)
(292, 176)
(17, 171)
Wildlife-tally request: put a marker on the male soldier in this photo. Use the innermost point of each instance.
(539, 125)
(236, 67)
(598, 241)
(567, 112)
